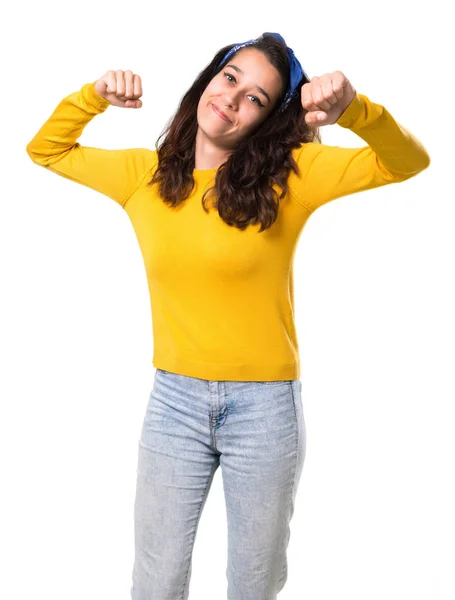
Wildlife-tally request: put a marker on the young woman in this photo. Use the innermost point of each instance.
(227, 386)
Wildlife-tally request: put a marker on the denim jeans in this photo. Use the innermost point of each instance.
(256, 431)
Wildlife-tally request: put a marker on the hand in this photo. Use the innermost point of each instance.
(328, 96)
(120, 88)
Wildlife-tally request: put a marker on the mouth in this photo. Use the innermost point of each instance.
(220, 113)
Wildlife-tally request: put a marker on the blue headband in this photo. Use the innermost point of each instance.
(296, 72)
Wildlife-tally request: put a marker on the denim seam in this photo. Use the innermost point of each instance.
(297, 446)
(293, 401)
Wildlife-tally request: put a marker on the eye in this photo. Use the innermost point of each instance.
(258, 102)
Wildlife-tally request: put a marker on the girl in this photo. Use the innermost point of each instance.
(227, 388)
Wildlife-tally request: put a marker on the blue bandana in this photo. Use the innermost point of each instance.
(296, 71)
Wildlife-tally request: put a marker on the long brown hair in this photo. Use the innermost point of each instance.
(243, 185)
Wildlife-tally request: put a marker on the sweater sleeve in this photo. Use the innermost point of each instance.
(114, 173)
(393, 154)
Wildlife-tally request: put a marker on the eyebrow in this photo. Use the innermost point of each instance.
(242, 73)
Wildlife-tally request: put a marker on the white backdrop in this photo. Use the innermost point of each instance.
(374, 310)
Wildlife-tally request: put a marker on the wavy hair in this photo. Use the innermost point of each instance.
(242, 190)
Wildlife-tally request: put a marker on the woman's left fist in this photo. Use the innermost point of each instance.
(328, 96)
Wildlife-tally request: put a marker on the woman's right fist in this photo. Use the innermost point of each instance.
(120, 88)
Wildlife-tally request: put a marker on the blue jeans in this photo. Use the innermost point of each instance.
(256, 431)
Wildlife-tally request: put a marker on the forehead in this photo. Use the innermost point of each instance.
(256, 68)
(252, 61)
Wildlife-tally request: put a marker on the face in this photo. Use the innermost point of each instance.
(246, 90)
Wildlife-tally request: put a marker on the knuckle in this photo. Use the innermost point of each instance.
(129, 88)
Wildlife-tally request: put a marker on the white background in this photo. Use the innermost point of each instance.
(374, 301)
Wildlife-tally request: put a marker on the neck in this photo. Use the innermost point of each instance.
(207, 154)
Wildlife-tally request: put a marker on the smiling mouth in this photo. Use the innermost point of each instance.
(214, 108)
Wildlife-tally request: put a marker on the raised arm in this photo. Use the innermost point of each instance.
(114, 173)
(393, 154)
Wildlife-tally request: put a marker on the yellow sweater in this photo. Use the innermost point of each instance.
(222, 299)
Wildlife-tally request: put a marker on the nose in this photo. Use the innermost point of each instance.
(229, 101)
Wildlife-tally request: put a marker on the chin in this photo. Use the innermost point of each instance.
(209, 127)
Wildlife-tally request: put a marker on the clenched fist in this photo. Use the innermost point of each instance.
(326, 98)
(120, 88)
